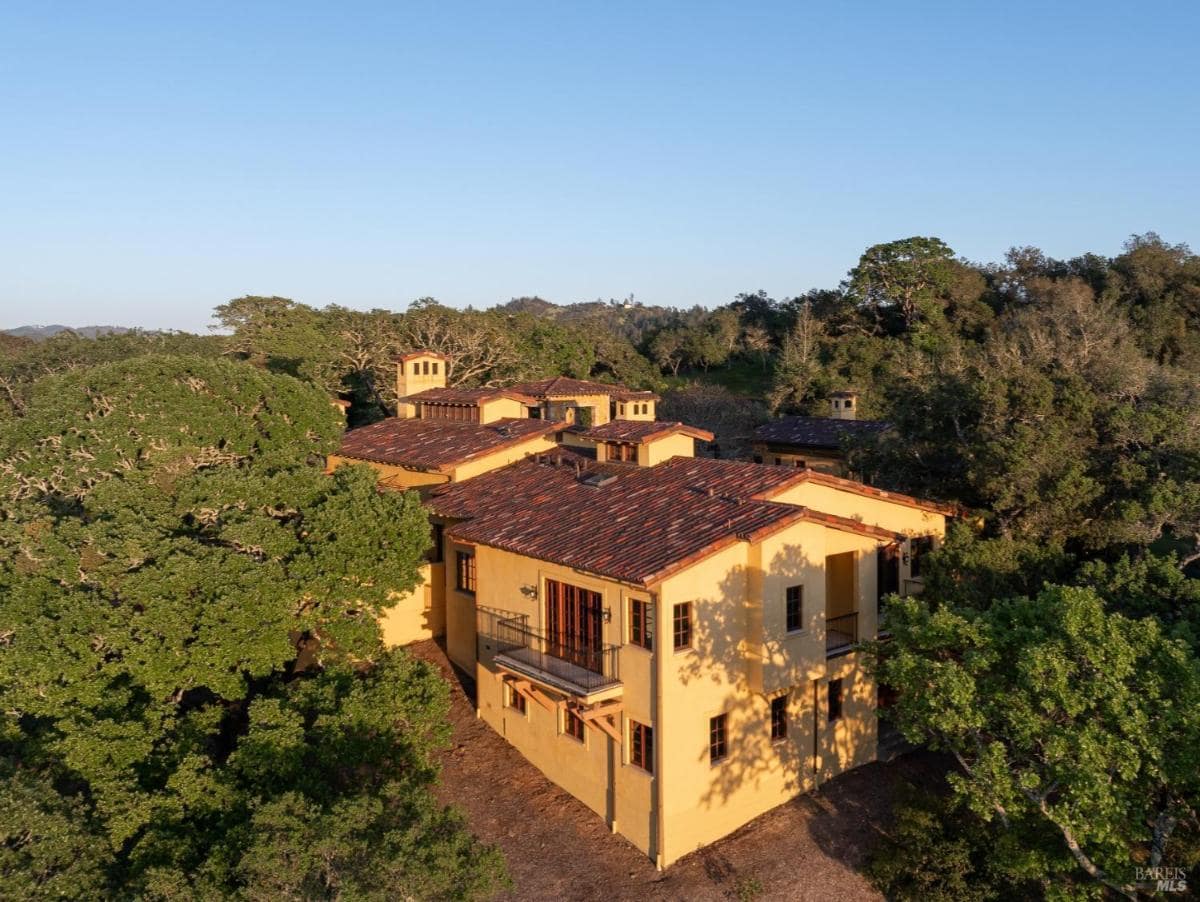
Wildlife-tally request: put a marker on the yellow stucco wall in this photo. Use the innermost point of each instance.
(498, 408)
(419, 614)
(398, 477)
(503, 457)
(665, 448)
(864, 508)
(597, 772)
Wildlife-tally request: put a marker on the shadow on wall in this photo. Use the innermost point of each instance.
(749, 672)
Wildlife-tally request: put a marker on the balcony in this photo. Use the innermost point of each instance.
(518, 647)
(841, 634)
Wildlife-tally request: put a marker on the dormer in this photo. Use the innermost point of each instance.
(645, 443)
(844, 405)
(416, 372)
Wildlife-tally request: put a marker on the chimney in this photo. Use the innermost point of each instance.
(417, 372)
(844, 405)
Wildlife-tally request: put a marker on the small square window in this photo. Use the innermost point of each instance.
(681, 625)
(515, 700)
(794, 608)
(835, 700)
(718, 743)
(641, 746)
(779, 718)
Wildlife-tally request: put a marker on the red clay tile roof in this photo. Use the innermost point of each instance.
(473, 396)
(869, 491)
(437, 444)
(564, 386)
(816, 432)
(638, 527)
(640, 431)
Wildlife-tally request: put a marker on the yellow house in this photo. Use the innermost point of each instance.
(674, 644)
(672, 640)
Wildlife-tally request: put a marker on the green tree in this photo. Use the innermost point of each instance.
(189, 650)
(902, 284)
(1066, 720)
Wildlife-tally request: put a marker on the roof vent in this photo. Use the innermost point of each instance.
(596, 480)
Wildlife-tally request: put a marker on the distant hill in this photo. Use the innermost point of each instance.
(41, 333)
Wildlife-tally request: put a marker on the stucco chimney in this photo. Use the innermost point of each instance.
(844, 405)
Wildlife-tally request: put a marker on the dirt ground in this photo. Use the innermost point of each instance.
(811, 848)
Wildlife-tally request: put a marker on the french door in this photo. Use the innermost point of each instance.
(573, 624)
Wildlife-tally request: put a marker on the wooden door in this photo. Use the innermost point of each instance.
(574, 618)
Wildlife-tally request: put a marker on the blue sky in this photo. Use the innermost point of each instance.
(158, 159)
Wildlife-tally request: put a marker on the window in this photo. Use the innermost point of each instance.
(515, 700)
(641, 630)
(401, 367)
(779, 461)
(779, 718)
(573, 725)
(758, 458)
(835, 700)
(919, 549)
(641, 746)
(718, 745)
(798, 462)
(435, 368)
(794, 608)
(425, 368)
(681, 625)
(465, 577)
(622, 452)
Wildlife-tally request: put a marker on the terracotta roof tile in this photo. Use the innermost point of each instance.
(639, 431)
(437, 444)
(564, 386)
(636, 525)
(816, 432)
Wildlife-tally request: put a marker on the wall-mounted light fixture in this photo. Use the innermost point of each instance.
(608, 615)
(529, 591)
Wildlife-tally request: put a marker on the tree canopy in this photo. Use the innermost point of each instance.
(191, 672)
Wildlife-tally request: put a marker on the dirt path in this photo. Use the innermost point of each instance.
(808, 849)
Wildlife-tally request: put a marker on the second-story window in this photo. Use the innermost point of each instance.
(641, 630)
(718, 740)
(779, 718)
(465, 572)
(835, 700)
(794, 608)
(681, 625)
(641, 746)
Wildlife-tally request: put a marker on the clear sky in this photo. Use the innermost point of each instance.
(158, 159)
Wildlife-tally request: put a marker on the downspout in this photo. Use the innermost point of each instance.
(660, 667)
(816, 732)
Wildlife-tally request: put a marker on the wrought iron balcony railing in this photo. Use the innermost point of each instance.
(569, 666)
(841, 633)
